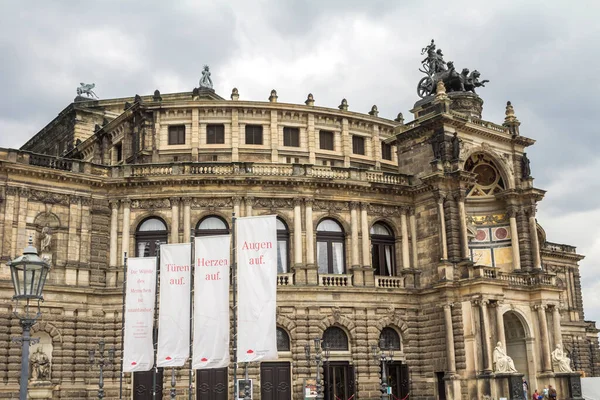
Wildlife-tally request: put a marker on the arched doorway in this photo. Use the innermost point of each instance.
(516, 346)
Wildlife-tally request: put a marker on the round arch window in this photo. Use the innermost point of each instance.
(390, 339)
(283, 247)
(212, 225)
(330, 247)
(383, 251)
(150, 233)
(335, 338)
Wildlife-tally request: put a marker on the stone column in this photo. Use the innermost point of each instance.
(450, 355)
(514, 238)
(487, 346)
(249, 201)
(442, 221)
(174, 220)
(187, 219)
(535, 244)
(310, 244)
(297, 232)
(126, 226)
(354, 234)
(462, 215)
(405, 244)
(10, 201)
(236, 205)
(543, 323)
(364, 228)
(114, 218)
(500, 324)
(412, 222)
(556, 325)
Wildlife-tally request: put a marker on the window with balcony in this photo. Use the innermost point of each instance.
(330, 247)
(215, 134)
(291, 137)
(383, 250)
(176, 134)
(254, 134)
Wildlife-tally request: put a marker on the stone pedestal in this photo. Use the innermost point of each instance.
(509, 386)
(39, 390)
(570, 383)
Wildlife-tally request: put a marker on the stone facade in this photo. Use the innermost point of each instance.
(469, 265)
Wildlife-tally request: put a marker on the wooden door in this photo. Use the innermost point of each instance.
(142, 385)
(275, 381)
(211, 384)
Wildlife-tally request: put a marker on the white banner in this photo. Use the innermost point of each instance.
(211, 302)
(257, 288)
(174, 310)
(138, 349)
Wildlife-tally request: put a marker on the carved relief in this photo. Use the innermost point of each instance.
(383, 210)
(212, 203)
(52, 198)
(151, 204)
(331, 206)
(273, 204)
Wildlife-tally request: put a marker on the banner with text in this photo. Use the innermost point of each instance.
(257, 288)
(138, 349)
(211, 302)
(174, 309)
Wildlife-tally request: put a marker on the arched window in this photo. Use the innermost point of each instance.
(147, 234)
(383, 253)
(335, 338)
(283, 247)
(389, 338)
(212, 225)
(283, 340)
(488, 181)
(330, 247)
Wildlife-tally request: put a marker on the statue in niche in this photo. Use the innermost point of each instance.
(560, 361)
(46, 242)
(40, 366)
(205, 81)
(455, 146)
(502, 362)
(525, 167)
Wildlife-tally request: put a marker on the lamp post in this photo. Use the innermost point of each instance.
(28, 274)
(383, 354)
(101, 362)
(321, 352)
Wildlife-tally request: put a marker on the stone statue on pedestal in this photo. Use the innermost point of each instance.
(46, 239)
(205, 81)
(40, 366)
(502, 362)
(560, 361)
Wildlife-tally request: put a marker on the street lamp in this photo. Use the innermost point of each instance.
(101, 362)
(321, 351)
(380, 355)
(28, 274)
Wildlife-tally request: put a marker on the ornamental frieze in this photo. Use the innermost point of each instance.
(51, 198)
(151, 203)
(212, 202)
(487, 219)
(383, 210)
(273, 204)
(331, 206)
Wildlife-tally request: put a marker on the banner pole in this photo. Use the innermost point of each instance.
(155, 327)
(234, 279)
(192, 266)
(123, 323)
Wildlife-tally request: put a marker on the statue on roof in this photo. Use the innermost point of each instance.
(437, 69)
(86, 88)
(205, 81)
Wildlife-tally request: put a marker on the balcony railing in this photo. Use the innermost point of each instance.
(243, 169)
(337, 280)
(389, 282)
(559, 247)
(286, 279)
(512, 278)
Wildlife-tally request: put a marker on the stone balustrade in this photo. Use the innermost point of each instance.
(286, 279)
(389, 282)
(512, 279)
(337, 280)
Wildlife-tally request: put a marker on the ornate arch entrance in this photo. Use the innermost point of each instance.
(516, 342)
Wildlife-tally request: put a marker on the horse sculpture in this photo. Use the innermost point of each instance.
(86, 88)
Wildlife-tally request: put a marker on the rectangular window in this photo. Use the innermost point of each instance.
(215, 134)
(177, 134)
(291, 137)
(358, 145)
(386, 151)
(119, 151)
(326, 140)
(254, 134)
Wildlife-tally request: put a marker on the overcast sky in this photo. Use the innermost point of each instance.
(541, 55)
